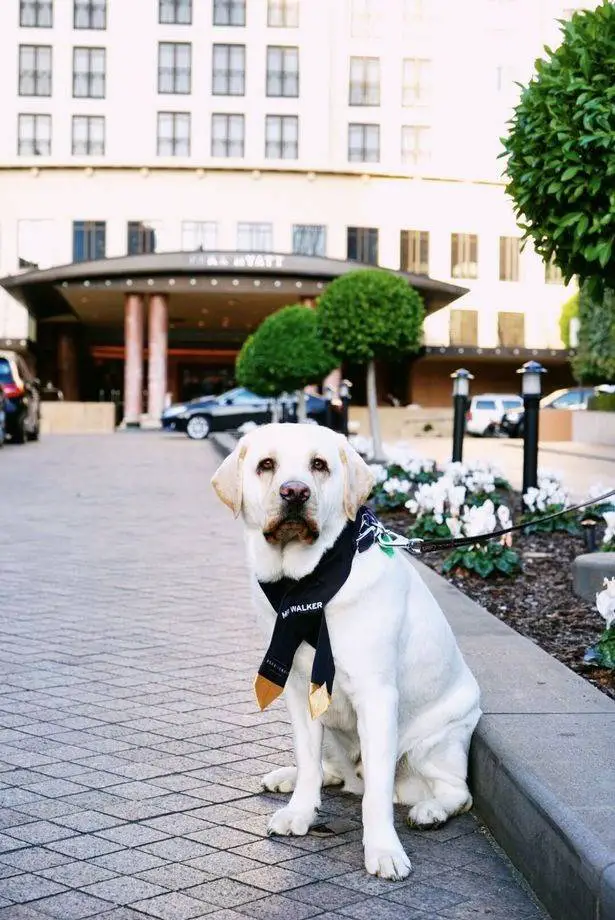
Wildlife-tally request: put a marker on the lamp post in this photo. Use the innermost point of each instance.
(344, 394)
(328, 393)
(530, 390)
(461, 389)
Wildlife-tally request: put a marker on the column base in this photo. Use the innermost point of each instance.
(131, 426)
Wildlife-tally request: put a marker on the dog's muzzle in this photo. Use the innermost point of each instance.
(293, 523)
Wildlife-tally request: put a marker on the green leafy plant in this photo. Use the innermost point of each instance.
(561, 156)
(491, 559)
(602, 653)
(428, 527)
(595, 358)
(568, 522)
(602, 402)
(284, 354)
(369, 314)
(570, 311)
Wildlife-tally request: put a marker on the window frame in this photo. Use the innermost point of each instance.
(90, 229)
(37, 118)
(37, 6)
(265, 227)
(283, 122)
(177, 73)
(319, 240)
(89, 121)
(227, 140)
(416, 155)
(200, 224)
(365, 129)
(228, 72)
(509, 259)
(92, 7)
(414, 251)
(229, 6)
(415, 91)
(467, 245)
(364, 85)
(37, 75)
(90, 74)
(284, 7)
(286, 76)
(176, 118)
(175, 6)
(145, 234)
(367, 240)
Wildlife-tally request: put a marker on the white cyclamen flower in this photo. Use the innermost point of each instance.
(609, 533)
(480, 520)
(455, 526)
(605, 602)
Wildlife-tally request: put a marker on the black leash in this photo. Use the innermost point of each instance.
(417, 546)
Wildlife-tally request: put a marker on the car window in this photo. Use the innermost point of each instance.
(485, 404)
(512, 403)
(573, 398)
(5, 371)
(245, 398)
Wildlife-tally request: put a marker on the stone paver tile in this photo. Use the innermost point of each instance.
(73, 905)
(48, 808)
(426, 897)
(8, 844)
(177, 849)
(27, 887)
(226, 893)
(123, 890)
(32, 859)
(128, 862)
(85, 846)
(11, 817)
(273, 850)
(176, 876)
(224, 864)
(326, 895)
(77, 874)
(380, 909)
(132, 835)
(223, 838)
(274, 879)
(41, 832)
(87, 821)
(277, 907)
(475, 909)
(21, 912)
(174, 906)
(178, 825)
(225, 914)
(317, 867)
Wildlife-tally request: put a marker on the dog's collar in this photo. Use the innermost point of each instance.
(300, 606)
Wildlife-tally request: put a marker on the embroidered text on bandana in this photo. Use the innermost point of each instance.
(301, 607)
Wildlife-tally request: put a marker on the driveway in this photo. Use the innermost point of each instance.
(130, 743)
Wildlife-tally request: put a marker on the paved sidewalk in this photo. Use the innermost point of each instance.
(130, 745)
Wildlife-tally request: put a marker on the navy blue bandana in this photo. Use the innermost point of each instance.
(301, 606)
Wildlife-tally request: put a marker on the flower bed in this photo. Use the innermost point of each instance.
(527, 582)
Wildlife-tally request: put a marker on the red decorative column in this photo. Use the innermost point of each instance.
(133, 360)
(158, 343)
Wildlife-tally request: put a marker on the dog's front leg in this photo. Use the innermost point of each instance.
(377, 724)
(300, 812)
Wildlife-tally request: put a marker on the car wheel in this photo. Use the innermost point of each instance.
(19, 437)
(197, 428)
(34, 435)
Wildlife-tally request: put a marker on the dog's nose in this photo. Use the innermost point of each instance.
(295, 492)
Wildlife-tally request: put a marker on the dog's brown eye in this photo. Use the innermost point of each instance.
(266, 465)
(319, 465)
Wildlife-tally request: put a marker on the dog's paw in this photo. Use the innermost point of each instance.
(289, 821)
(282, 780)
(428, 814)
(390, 862)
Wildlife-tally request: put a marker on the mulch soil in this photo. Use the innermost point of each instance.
(542, 604)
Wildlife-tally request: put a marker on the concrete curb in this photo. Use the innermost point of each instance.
(542, 758)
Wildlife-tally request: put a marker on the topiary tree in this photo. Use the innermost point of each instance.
(286, 353)
(370, 314)
(595, 358)
(561, 151)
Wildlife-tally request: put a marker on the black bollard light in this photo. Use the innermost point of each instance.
(344, 393)
(589, 532)
(531, 383)
(461, 389)
(328, 394)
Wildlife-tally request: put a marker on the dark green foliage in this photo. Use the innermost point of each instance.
(602, 402)
(602, 654)
(370, 314)
(285, 353)
(595, 358)
(427, 527)
(561, 150)
(565, 523)
(491, 559)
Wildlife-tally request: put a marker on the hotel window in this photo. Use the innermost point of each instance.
(415, 81)
(415, 146)
(511, 330)
(173, 134)
(364, 86)
(199, 235)
(413, 11)
(34, 133)
(175, 12)
(282, 137)
(509, 258)
(88, 135)
(463, 327)
(36, 14)
(140, 238)
(309, 240)
(89, 73)
(89, 240)
(283, 14)
(229, 12)
(414, 251)
(174, 67)
(229, 70)
(362, 244)
(227, 135)
(464, 255)
(366, 18)
(254, 237)
(282, 71)
(36, 243)
(553, 274)
(35, 70)
(90, 14)
(363, 143)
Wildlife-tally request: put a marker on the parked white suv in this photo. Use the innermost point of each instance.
(485, 411)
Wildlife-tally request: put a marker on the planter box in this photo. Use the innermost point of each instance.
(593, 427)
(77, 417)
(401, 423)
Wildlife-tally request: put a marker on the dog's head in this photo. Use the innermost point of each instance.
(294, 485)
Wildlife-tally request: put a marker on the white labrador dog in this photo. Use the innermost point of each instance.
(404, 703)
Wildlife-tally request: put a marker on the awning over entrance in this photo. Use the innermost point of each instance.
(229, 289)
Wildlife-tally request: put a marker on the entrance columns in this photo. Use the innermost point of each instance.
(157, 371)
(68, 375)
(133, 360)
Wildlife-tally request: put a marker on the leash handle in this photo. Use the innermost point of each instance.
(418, 547)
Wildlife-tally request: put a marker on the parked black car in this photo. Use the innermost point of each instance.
(2, 417)
(229, 411)
(22, 398)
(575, 398)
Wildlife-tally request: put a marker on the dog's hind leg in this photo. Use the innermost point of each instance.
(436, 786)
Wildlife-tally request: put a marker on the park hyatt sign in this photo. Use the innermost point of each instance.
(235, 260)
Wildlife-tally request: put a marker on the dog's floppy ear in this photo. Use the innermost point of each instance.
(228, 479)
(358, 480)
